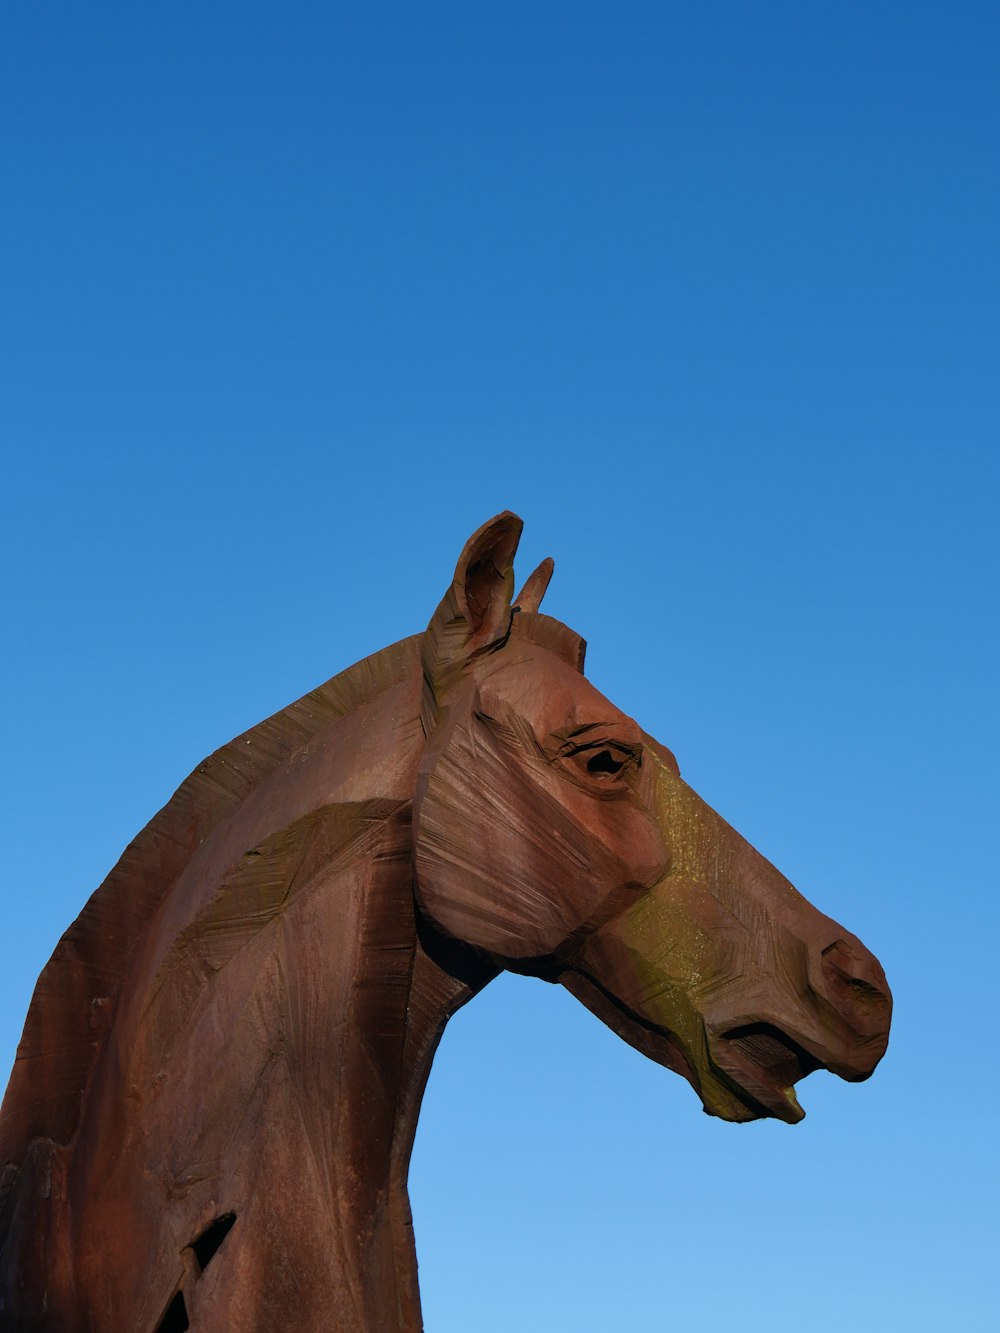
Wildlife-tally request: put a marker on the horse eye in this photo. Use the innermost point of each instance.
(605, 762)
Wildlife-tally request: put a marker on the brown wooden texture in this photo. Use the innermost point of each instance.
(211, 1114)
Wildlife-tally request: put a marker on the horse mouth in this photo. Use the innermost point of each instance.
(762, 1064)
(751, 1068)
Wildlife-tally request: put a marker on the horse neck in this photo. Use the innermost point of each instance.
(406, 984)
(299, 973)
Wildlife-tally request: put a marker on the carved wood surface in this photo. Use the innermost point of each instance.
(210, 1119)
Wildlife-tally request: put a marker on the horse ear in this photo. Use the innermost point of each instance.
(484, 579)
(530, 596)
(475, 613)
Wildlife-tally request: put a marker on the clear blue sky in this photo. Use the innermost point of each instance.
(295, 296)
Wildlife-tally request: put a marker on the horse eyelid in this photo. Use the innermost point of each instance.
(609, 743)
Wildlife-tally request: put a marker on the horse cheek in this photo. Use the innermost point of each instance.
(497, 854)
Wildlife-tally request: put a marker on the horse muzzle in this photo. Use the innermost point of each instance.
(840, 1023)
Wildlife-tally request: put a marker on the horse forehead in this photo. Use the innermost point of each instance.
(550, 694)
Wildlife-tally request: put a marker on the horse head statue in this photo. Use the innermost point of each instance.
(210, 1119)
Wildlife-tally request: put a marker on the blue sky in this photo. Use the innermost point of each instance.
(296, 296)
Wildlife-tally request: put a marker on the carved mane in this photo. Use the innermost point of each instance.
(72, 1008)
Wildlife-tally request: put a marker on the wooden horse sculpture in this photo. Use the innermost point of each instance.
(210, 1118)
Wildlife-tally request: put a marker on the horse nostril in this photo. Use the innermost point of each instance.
(857, 985)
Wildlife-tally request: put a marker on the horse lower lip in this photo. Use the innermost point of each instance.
(764, 1064)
